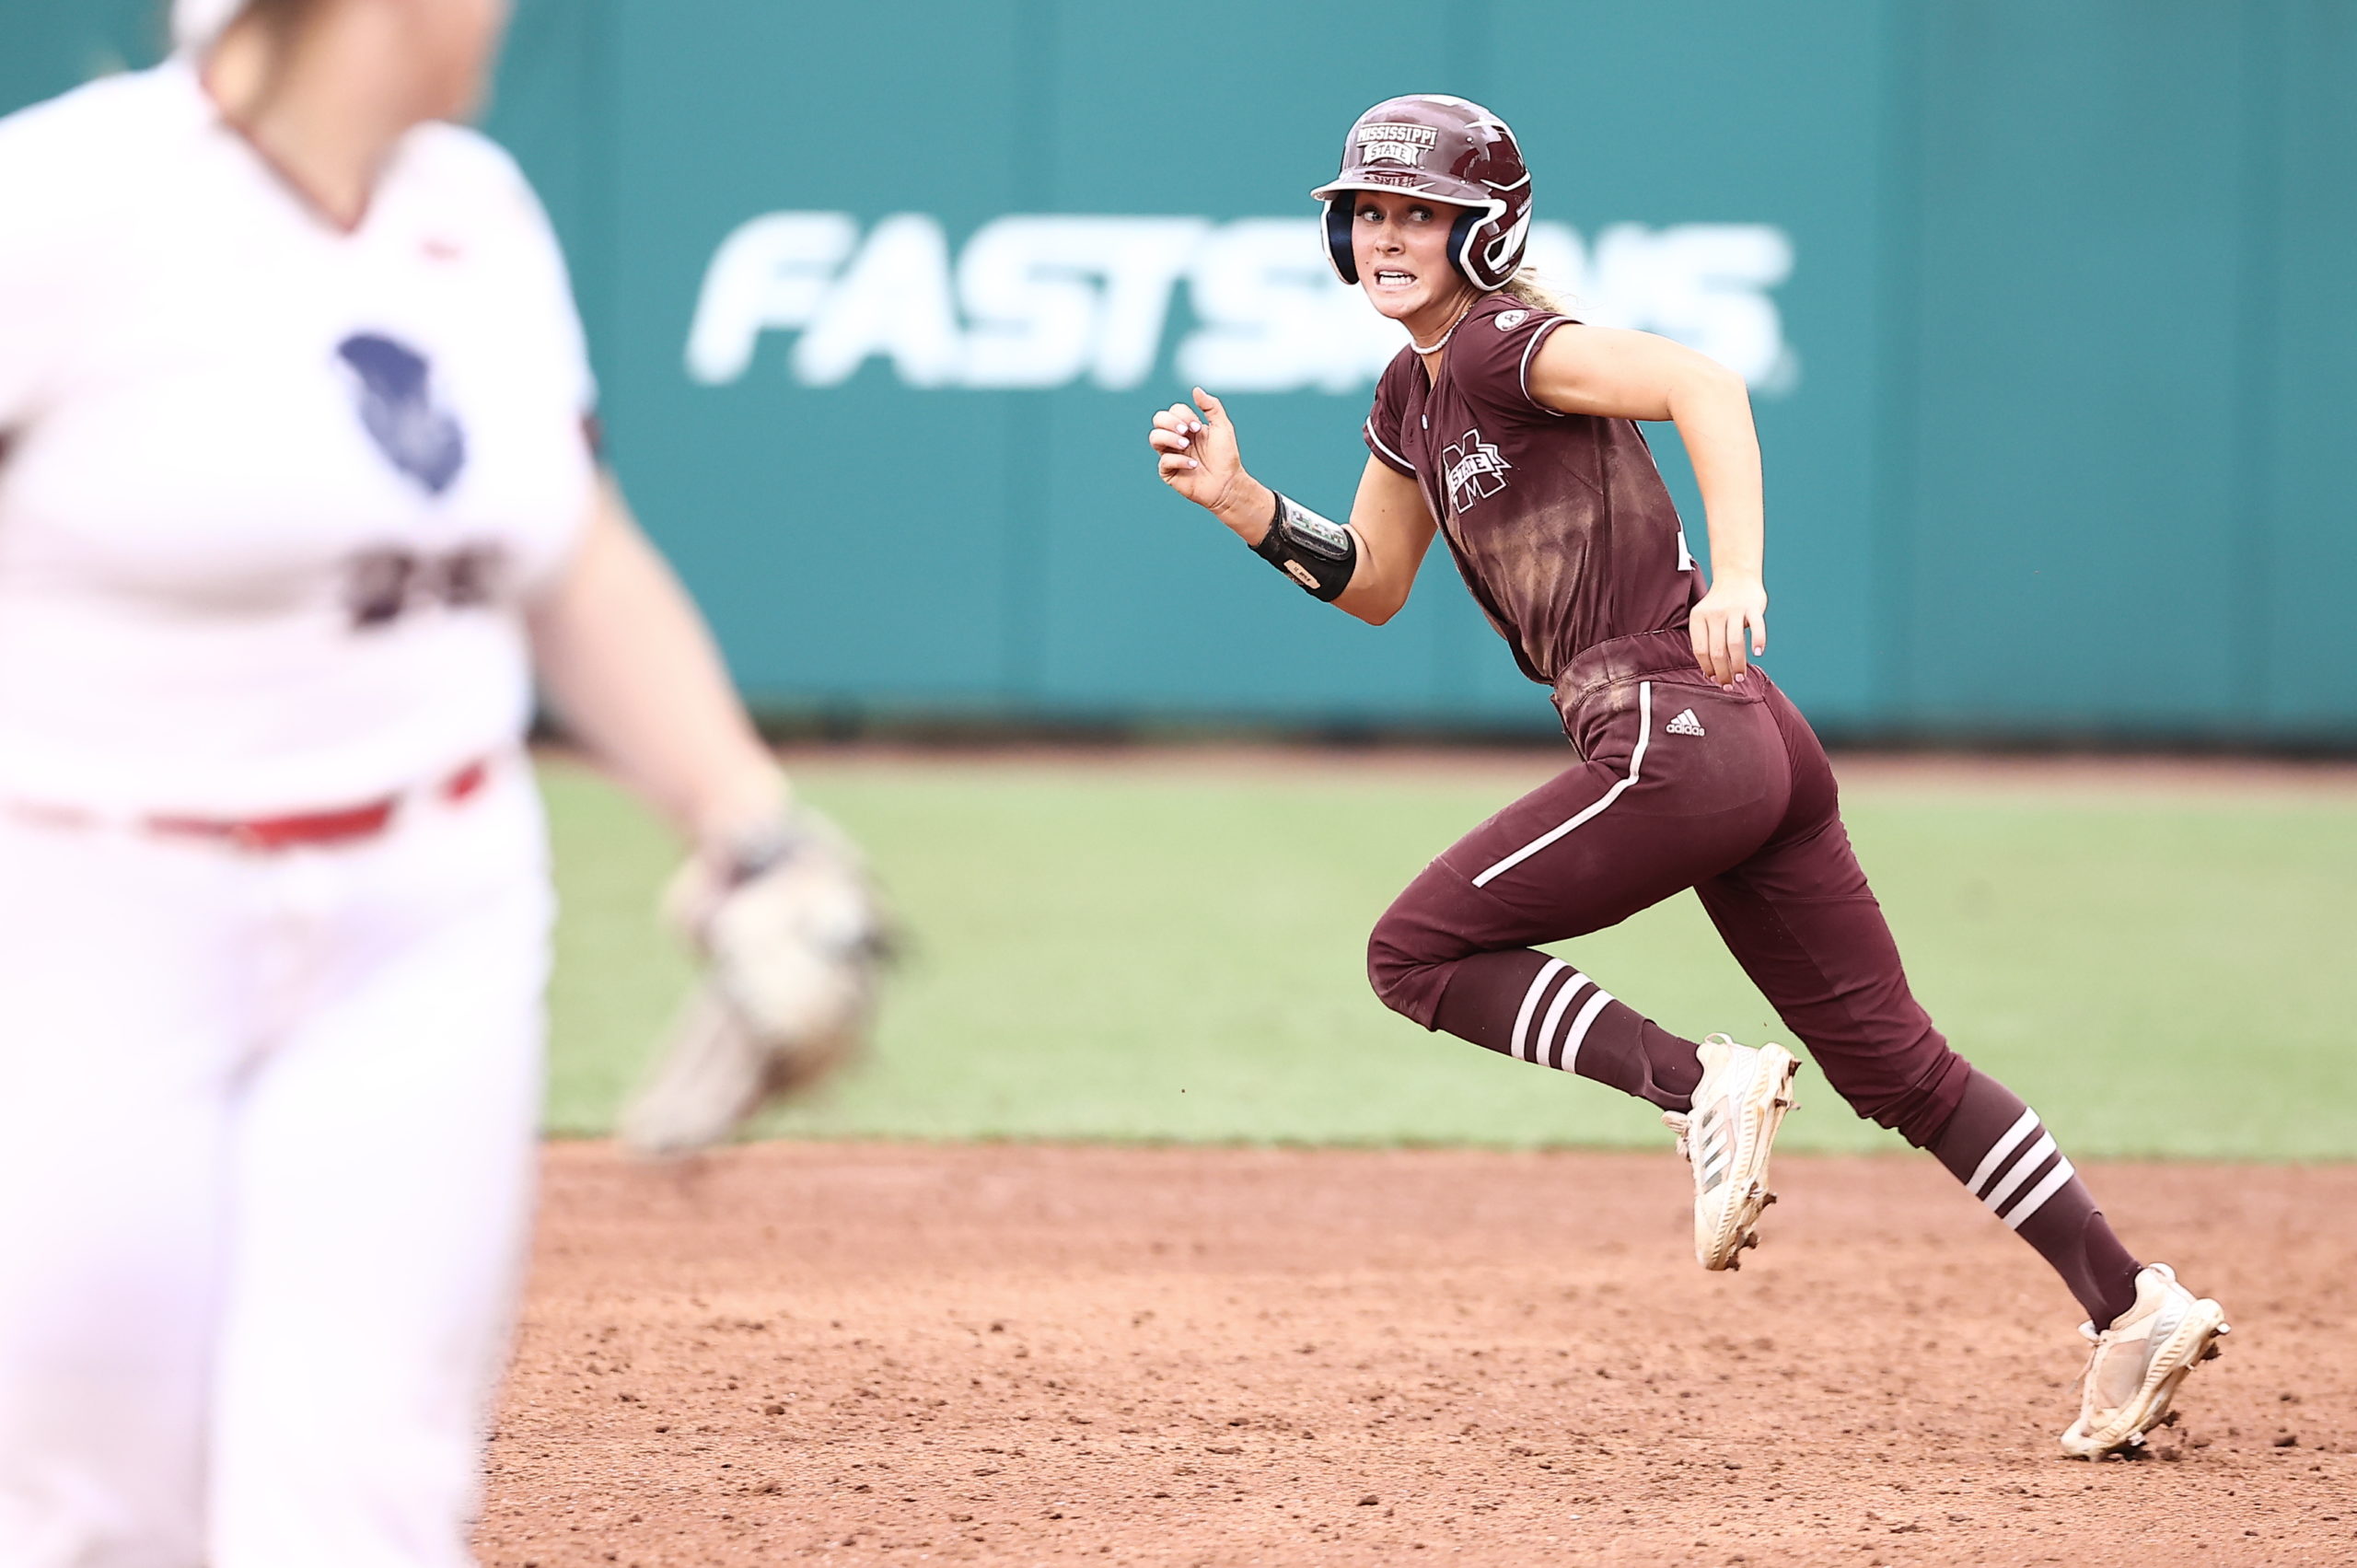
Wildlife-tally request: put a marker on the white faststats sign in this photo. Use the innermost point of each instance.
(1243, 306)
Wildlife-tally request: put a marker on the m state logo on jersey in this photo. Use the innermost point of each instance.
(1474, 470)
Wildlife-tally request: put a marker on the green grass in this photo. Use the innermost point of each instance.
(1114, 953)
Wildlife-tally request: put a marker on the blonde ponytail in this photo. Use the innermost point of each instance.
(1526, 287)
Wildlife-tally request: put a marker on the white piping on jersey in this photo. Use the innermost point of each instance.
(1387, 450)
(1636, 762)
(1538, 334)
(1530, 1002)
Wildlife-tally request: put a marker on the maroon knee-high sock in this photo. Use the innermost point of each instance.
(1998, 1147)
(1524, 1005)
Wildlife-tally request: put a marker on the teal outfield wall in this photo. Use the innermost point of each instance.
(2046, 304)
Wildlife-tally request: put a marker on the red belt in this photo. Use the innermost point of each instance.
(268, 835)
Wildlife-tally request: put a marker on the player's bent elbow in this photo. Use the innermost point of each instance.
(1376, 608)
(1718, 380)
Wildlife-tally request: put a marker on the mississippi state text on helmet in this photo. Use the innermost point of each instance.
(1448, 149)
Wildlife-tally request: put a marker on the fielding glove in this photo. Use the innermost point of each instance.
(789, 928)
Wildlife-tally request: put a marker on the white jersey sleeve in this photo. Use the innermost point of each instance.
(546, 281)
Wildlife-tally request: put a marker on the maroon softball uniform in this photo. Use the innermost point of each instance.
(1564, 532)
(1563, 529)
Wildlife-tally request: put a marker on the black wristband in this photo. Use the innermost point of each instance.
(1315, 552)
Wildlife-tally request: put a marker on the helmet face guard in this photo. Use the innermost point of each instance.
(1447, 150)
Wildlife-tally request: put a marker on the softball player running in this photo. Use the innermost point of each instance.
(295, 496)
(1507, 426)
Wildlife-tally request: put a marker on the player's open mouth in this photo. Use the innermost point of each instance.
(1393, 279)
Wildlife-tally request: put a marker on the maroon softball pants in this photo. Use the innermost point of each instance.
(1681, 784)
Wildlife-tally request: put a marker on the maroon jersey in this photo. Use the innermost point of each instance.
(1560, 523)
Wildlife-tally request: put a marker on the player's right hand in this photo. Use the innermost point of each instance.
(1196, 455)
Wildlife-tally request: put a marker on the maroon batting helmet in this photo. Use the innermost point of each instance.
(1430, 144)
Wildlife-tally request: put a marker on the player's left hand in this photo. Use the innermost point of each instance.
(1731, 621)
(792, 935)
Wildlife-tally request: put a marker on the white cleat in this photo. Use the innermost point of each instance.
(1726, 1138)
(2137, 1364)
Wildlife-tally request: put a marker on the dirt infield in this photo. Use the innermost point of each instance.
(859, 1354)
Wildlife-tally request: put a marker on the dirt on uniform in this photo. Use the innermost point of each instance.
(867, 1353)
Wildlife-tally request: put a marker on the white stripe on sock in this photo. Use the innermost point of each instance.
(1595, 1004)
(2040, 1194)
(2002, 1147)
(1530, 1002)
(2023, 1169)
(1572, 987)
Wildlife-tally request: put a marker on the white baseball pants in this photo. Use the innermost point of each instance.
(267, 1134)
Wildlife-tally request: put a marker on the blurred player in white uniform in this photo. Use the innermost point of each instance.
(297, 495)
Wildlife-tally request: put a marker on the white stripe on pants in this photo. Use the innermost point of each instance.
(266, 1143)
